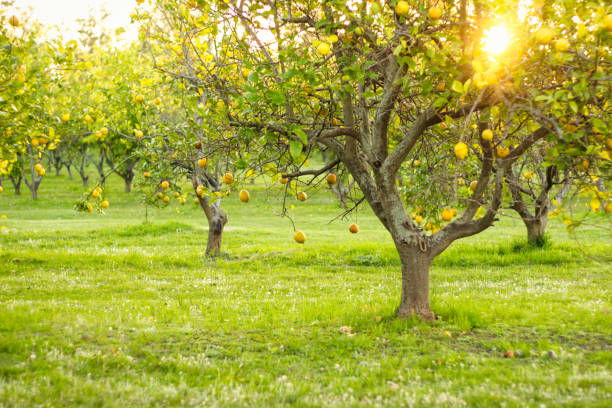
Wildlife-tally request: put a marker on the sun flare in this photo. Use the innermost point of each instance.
(496, 40)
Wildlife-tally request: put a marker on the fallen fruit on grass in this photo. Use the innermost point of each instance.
(509, 354)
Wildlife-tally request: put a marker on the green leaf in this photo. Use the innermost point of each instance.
(457, 86)
(295, 148)
(300, 133)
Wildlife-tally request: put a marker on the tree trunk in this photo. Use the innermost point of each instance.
(33, 191)
(536, 229)
(69, 171)
(16, 184)
(128, 185)
(214, 214)
(415, 282)
(216, 222)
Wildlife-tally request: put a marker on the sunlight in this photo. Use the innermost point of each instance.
(496, 40)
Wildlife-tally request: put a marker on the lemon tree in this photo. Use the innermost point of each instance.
(29, 75)
(384, 86)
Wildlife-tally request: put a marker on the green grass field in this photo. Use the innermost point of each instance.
(106, 311)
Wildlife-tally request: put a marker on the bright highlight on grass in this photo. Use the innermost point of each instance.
(496, 40)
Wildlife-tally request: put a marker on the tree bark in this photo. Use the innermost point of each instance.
(128, 185)
(216, 223)
(536, 229)
(415, 282)
(17, 183)
(214, 214)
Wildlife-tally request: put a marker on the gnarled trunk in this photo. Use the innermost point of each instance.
(536, 229)
(214, 214)
(216, 221)
(415, 282)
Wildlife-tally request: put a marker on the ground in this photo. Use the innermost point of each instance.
(104, 310)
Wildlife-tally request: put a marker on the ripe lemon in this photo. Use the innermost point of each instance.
(244, 196)
(528, 175)
(138, 134)
(14, 21)
(146, 174)
(324, 49)
(434, 13)
(544, 35)
(461, 150)
(607, 22)
(447, 215)
(502, 152)
(202, 162)
(487, 135)
(283, 180)
(166, 199)
(302, 196)
(609, 144)
(160, 195)
(331, 178)
(65, 117)
(354, 228)
(299, 237)
(165, 185)
(473, 185)
(402, 8)
(228, 178)
(562, 45)
(139, 98)
(104, 204)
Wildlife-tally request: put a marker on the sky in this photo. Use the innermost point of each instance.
(64, 13)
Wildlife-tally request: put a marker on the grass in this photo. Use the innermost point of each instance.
(105, 310)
